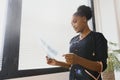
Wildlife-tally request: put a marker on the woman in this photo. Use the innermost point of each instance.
(89, 49)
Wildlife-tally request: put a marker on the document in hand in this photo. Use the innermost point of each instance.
(51, 52)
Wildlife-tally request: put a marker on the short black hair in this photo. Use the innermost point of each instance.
(84, 11)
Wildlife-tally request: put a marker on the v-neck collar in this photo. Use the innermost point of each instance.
(84, 37)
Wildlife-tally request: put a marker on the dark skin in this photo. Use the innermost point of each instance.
(80, 25)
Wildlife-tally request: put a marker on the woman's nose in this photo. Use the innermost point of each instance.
(74, 25)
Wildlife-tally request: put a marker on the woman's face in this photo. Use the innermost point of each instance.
(78, 23)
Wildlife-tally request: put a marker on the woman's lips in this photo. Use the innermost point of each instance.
(75, 28)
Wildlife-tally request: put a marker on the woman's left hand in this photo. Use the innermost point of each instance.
(71, 58)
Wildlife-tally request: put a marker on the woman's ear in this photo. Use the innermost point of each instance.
(84, 19)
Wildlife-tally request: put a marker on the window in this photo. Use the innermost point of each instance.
(50, 21)
(30, 23)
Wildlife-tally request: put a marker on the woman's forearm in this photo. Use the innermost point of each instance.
(89, 64)
(92, 65)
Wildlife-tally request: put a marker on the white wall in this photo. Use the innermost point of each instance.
(117, 11)
(107, 16)
(3, 10)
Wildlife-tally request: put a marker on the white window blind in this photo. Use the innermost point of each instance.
(49, 20)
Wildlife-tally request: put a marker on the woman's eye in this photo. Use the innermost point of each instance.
(74, 21)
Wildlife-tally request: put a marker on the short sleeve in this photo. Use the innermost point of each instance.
(101, 49)
(73, 39)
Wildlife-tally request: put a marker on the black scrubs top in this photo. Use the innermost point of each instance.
(92, 47)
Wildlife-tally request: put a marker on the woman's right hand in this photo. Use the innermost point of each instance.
(51, 61)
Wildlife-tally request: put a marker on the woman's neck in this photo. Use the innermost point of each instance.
(85, 32)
